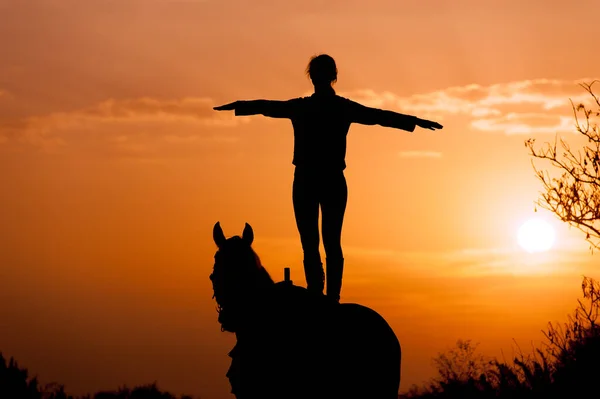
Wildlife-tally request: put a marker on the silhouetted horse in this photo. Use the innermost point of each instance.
(292, 343)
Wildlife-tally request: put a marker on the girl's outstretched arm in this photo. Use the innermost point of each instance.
(270, 108)
(374, 116)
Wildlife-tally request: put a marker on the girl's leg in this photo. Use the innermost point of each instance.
(333, 207)
(306, 209)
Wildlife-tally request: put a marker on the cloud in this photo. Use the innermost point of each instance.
(536, 106)
(194, 110)
(120, 120)
(420, 154)
(520, 107)
(514, 123)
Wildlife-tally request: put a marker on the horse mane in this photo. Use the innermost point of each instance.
(250, 277)
(263, 273)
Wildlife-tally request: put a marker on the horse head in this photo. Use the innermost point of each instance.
(238, 276)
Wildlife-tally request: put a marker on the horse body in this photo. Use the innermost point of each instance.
(293, 344)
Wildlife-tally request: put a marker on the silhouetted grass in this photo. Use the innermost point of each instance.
(568, 366)
(15, 383)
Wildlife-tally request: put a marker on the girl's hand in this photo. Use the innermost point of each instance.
(431, 125)
(226, 107)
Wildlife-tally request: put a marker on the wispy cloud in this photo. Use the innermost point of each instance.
(521, 107)
(420, 154)
(515, 123)
(534, 106)
(116, 116)
(194, 110)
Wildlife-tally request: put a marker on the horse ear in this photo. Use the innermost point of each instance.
(218, 235)
(248, 234)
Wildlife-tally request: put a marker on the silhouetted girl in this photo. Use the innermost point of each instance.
(321, 123)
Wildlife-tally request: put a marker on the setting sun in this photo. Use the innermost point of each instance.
(536, 235)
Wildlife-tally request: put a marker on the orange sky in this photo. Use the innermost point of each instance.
(115, 168)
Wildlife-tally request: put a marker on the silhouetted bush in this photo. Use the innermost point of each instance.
(566, 367)
(15, 383)
(149, 391)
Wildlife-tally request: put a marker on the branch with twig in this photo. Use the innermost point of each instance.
(575, 196)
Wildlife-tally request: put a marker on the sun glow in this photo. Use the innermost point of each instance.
(536, 235)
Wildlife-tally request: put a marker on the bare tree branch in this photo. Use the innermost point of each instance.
(575, 196)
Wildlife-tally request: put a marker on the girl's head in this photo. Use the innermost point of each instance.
(322, 70)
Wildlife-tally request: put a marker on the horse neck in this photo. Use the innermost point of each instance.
(263, 279)
(255, 301)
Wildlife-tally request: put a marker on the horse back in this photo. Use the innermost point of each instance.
(365, 339)
(320, 348)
